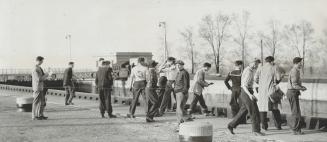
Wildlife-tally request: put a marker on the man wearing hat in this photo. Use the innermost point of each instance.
(249, 101)
(199, 84)
(150, 92)
(68, 84)
(104, 82)
(294, 87)
(38, 78)
(235, 77)
(181, 88)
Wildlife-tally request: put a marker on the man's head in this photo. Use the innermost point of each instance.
(270, 59)
(71, 64)
(180, 64)
(171, 60)
(100, 61)
(39, 60)
(141, 60)
(255, 63)
(206, 66)
(297, 61)
(238, 63)
(152, 64)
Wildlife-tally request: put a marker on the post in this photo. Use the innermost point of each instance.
(261, 48)
(165, 39)
(68, 37)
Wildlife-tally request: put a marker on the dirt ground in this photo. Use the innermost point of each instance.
(82, 122)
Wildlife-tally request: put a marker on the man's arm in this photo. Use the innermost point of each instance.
(257, 75)
(96, 79)
(295, 80)
(227, 81)
(200, 79)
(186, 78)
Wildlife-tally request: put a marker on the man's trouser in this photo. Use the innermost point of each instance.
(138, 89)
(198, 98)
(105, 100)
(166, 99)
(247, 106)
(181, 113)
(38, 104)
(293, 98)
(162, 85)
(234, 100)
(152, 102)
(275, 116)
(70, 93)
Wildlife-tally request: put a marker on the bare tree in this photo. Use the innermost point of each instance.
(273, 38)
(299, 36)
(242, 27)
(187, 35)
(214, 32)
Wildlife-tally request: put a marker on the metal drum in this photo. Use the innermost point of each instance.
(195, 132)
(24, 104)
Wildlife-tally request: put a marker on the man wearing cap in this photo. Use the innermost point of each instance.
(268, 77)
(235, 77)
(199, 84)
(294, 87)
(150, 92)
(38, 78)
(104, 82)
(171, 71)
(138, 77)
(249, 101)
(181, 88)
(69, 84)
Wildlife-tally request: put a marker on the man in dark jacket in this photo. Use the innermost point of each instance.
(69, 84)
(182, 86)
(104, 82)
(151, 96)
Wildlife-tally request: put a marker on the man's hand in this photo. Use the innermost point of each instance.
(253, 98)
(304, 88)
(211, 83)
(131, 89)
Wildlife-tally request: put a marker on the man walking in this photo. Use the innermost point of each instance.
(104, 82)
(181, 88)
(199, 84)
(150, 91)
(268, 77)
(235, 77)
(38, 78)
(294, 87)
(171, 71)
(249, 101)
(69, 84)
(138, 77)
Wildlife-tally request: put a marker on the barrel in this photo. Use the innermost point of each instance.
(24, 104)
(195, 132)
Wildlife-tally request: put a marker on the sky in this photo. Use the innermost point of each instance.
(29, 28)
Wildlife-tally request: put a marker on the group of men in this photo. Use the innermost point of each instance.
(257, 100)
(173, 78)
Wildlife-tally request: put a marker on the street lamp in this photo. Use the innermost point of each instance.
(69, 37)
(163, 24)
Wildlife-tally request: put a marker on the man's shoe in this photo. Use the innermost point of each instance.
(37, 118)
(71, 103)
(149, 120)
(66, 104)
(298, 133)
(189, 119)
(158, 115)
(102, 115)
(279, 128)
(112, 116)
(43, 117)
(230, 128)
(130, 116)
(259, 134)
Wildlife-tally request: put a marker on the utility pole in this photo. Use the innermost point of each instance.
(69, 37)
(163, 24)
(261, 48)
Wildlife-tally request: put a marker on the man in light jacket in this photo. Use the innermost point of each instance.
(199, 84)
(268, 77)
(38, 78)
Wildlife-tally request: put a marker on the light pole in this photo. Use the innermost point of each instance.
(69, 37)
(163, 24)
